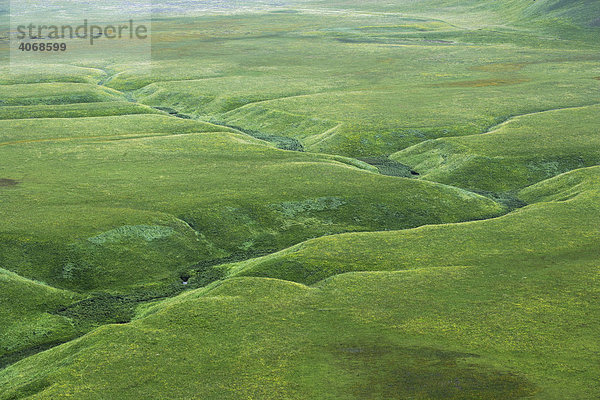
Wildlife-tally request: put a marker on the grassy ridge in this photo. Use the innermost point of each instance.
(220, 95)
(567, 226)
(123, 226)
(55, 93)
(436, 330)
(279, 75)
(75, 110)
(50, 73)
(41, 129)
(520, 152)
(573, 13)
(296, 343)
(25, 314)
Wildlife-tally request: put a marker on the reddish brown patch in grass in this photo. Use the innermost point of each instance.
(499, 67)
(8, 182)
(597, 78)
(487, 82)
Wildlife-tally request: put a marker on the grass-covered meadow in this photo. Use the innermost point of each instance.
(308, 200)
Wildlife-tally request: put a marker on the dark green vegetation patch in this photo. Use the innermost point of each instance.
(8, 182)
(425, 373)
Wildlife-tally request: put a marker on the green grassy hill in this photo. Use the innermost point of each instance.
(94, 210)
(456, 319)
(567, 222)
(22, 131)
(583, 12)
(106, 211)
(575, 12)
(28, 324)
(405, 79)
(522, 151)
(76, 110)
(49, 73)
(55, 93)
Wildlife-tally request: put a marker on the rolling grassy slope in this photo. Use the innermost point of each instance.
(55, 93)
(219, 95)
(25, 315)
(520, 152)
(449, 319)
(109, 206)
(75, 110)
(94, 212)
(19, 131)
(576, 13)
(50, 73)
(548, 233)
(281, 74)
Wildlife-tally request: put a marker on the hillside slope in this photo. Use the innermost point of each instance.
(365, 83)
(114, 212)
(584, 13)
(26, 316)
(518, 153)
(454, 320)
